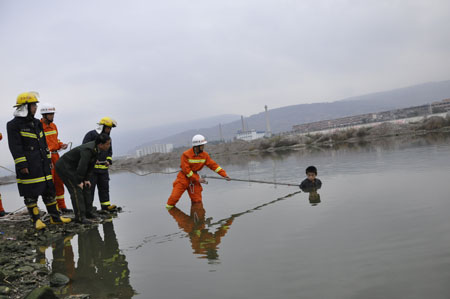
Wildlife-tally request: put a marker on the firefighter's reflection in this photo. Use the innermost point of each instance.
(63, 262)
(204, 242)
(102, 269)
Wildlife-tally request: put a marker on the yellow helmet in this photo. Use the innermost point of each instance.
(108, 121)
(26, 98)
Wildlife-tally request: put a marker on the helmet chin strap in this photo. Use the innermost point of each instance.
(49, 121)
(197, 149)
(29, 115)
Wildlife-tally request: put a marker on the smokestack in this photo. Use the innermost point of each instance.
(242, 121)
(220, 132)
(268, 130)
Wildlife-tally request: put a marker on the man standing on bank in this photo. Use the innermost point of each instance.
(100, 177)
(32, 158)
(193, 161)
(54, 145)
(75, 168)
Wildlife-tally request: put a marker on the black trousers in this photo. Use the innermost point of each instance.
(101, 180)
(81, 198)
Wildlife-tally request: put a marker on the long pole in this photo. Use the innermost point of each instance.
(249, 181)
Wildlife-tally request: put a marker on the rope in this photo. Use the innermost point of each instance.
(255, 208)
(182, 234)
(250, 181)
(7, 169)
(13, 217)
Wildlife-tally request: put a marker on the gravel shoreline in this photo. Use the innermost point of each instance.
(23, 267)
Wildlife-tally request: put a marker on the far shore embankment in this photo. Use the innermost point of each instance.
(230, 152)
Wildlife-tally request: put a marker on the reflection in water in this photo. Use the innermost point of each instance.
(314, 198)
(102, 270)
(196, 225)
(204, 242)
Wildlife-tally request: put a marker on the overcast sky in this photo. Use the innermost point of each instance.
(148, 63)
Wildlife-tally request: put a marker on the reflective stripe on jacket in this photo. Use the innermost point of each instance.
(191, 164)
(51, 135)
(102, 156)
(29, 149)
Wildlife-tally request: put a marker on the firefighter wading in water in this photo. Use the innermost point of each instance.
(193, 161)
(54, 144)
(100, 177)
(32, 159)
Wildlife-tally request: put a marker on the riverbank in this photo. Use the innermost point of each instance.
(23, 265)
(158, 162)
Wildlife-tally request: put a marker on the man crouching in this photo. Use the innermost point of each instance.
(75, 169)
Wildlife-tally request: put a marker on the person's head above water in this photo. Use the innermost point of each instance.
(311, 173)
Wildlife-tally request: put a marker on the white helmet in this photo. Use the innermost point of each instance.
(198, 140)
(47, 108)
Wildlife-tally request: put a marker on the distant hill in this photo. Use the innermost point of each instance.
(146, 136)
(282, 119)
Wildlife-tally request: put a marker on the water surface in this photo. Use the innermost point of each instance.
(380, 230)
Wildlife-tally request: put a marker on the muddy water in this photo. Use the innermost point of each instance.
(380, 229)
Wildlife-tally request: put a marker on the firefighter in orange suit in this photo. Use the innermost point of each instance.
(2, 211)
(51, 135)
(193, 161)
(204, 242)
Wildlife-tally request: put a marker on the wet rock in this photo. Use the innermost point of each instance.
(11, 275)
(29, 282)
(3, 260)
(4, 290)
(58, 279)
(42, 293)
(26, 269)
(39, 266)
(42, 272)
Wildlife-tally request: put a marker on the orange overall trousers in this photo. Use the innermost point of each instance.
(51, 136)
(188, 179)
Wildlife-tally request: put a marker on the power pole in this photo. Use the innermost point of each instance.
(268, 130)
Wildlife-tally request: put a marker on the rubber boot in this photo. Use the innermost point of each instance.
(65, 210)
(108, 207)
(35, 217)
(55, 218)
(62, 206)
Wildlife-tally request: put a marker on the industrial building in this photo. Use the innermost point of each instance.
(250, 135)
(343, 122)
(155, 148)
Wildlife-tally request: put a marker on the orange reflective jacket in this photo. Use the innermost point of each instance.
(191, 163)
(51, 135)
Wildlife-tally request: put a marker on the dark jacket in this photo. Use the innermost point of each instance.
(103, 156)
(29, 149)
(78, 163)
(307, 185)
